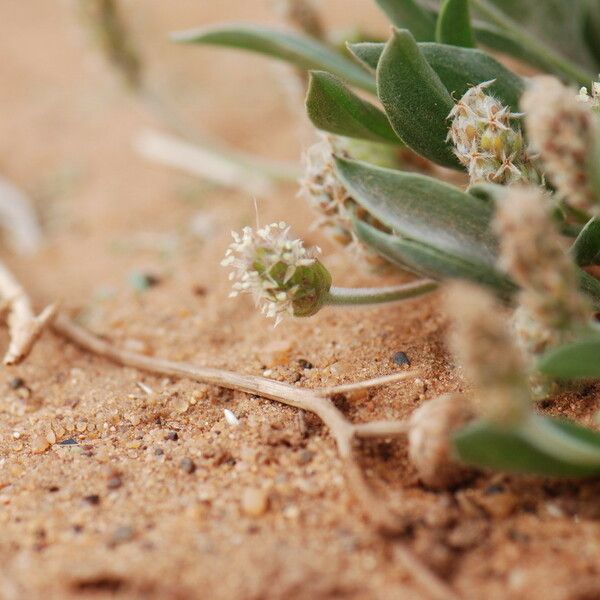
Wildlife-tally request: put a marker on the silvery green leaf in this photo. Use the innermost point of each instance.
(454, 24)
(302, 51)
(415, 100)
(332, 107)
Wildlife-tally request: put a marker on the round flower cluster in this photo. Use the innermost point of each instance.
(324, 192)
(283, 276)
(485, 141)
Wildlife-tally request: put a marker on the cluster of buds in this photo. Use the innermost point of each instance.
(562, 129)
(283, 276)
(592, 98)
(322, 189)
(483, 345)
(486, 141)
(105, 22)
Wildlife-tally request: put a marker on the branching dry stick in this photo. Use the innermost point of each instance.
(24, 327)
(316, 401)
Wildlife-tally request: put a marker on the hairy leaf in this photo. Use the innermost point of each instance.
(458, 68)
(422, 209)
(332, 107)
(586, 247)
(426, 260)
(489, 446)
(454, 24)
(408, 14)
(415, 100)
(302, 51)
(579, 360)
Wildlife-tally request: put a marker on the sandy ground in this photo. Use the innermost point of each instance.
(107, 491)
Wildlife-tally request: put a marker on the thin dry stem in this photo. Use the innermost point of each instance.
(23, 326)
(343, 431)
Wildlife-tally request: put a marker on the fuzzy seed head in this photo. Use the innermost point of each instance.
(322, 189)
(533, 253)
(283, 276)
(482, 344)
(562, 129)
(486, 141)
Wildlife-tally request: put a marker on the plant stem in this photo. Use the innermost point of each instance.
(546, 56)
(339, 296)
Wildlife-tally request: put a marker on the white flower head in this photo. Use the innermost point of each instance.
(485, 140)
(283, 276)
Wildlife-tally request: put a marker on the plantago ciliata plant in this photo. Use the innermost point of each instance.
(525, 228)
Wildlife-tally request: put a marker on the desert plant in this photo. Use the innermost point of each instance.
(525, 224)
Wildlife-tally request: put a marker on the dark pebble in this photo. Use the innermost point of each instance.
(53, 489)
(172, 436)
(305, 364)
(401, 358)
(187, 465)
(68, 442)
(92, 499)
(159, 451)
(493, 489)
(114, 482)
(16, 382)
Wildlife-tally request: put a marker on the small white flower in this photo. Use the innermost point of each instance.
(265, 263)
(485, 141)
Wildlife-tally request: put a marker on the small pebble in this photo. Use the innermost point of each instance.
(68, 442)
(92, 499)
(121, 534)
(305, 364)
(114, 482)
(172, 436)
(39, 444)
(231, 418)
(187, 465)
(254, 502)
(16, 382)
(305, 457)
(159, 451)
(401, 358)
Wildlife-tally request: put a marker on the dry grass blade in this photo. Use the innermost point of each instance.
(343, 431)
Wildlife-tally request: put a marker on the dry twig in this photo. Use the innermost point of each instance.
(23, 326)
(316, 401)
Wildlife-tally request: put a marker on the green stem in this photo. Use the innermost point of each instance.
(359, 296)
(545, 55)
(550, 439)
